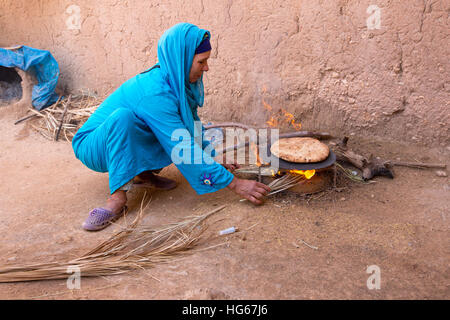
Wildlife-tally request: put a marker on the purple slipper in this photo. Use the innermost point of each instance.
(100, 218)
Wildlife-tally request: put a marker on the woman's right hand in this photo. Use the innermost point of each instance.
(249, 189)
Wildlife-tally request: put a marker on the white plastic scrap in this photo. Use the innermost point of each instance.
(227, 231)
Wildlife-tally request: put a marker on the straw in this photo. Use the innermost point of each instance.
(283, 183)
(66, 116)
(134, 247)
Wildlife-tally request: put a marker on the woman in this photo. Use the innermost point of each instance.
(130, 134)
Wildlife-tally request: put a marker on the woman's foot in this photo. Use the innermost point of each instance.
(100, 218)
(149, 180)
(116, 201)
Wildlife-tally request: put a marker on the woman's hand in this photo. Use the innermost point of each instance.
(249, 189)
(231, 167)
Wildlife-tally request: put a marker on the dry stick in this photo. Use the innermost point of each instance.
(25, 118)
(228, 124)
(323, 135)
(35, 114)
(418, 165)
(62, 118)
(318, 135)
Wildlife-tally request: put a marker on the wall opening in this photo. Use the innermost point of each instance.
(10, 86)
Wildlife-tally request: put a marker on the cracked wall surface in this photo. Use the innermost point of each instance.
(335, 65)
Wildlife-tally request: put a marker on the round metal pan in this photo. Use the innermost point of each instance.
(283, 164)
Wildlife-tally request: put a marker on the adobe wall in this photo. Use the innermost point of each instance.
(335, 65)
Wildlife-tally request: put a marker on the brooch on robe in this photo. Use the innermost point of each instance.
(207, 179)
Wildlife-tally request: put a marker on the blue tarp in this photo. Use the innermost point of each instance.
(42, 65)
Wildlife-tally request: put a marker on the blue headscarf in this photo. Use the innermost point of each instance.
(176, 50)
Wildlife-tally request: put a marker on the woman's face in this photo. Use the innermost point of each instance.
(199, 64)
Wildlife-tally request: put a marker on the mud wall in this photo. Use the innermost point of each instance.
(368, 67)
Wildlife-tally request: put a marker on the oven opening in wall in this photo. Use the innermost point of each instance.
(10, 86)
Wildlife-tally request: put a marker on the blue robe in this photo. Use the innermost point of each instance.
(136, 128)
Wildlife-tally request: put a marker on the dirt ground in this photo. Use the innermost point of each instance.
(289, 248)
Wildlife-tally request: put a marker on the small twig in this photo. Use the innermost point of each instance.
(67, 291)
(252, 226)
(207, 248)
(51, 294)
(153, 277)
(312, 247)
(25, 118)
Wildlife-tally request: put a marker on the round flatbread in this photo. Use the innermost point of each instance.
(300, 150)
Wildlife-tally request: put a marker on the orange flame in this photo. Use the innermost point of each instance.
(290, 119)
(277, 121)
(275, 173)
(307, 173)
(273, 123)
(254, 148)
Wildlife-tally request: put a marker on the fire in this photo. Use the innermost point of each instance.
(273, 123)
(290, 119)
(255, 150)
(284, 117)
(307, 173)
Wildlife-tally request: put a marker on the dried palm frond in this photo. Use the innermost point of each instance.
(66, 116)
(283, 183)
(134, 247)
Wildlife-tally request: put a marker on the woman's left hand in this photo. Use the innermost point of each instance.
(231, 167)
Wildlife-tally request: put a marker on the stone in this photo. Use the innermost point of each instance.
(441, 173)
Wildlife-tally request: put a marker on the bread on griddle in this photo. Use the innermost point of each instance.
(300, 150)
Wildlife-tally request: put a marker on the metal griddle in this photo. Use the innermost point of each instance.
(283, 164)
